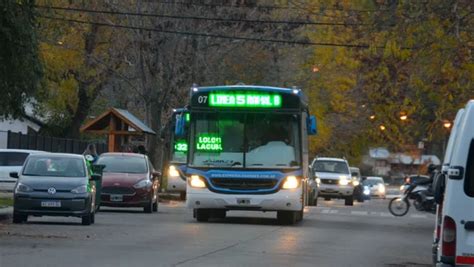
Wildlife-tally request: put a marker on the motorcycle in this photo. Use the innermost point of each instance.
(422, 199)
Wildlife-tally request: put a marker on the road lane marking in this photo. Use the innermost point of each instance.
(358, 212)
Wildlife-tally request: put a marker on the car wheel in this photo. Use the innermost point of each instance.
(155, 206)
(202, 215)
(149, 207)
(92, 218)
(285, 217)
(349, 201)
(18, 218)
(182, 196)
(87, 219)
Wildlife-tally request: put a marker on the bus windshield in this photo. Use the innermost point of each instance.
(246, 140)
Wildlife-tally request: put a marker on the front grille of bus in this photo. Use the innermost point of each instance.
(243, 184)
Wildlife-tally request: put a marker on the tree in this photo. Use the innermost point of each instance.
(20, 67)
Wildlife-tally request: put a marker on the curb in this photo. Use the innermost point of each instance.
(6, 213)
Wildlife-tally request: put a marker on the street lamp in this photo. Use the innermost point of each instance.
(403, 116)
(315, 69)
(372, 117)
(447, 124)
(382, 127)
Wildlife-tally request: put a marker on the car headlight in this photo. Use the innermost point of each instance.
(381, 188)
(23, 188)
(80, 189)
(173, 171)
(143, 184)
(291, 182)
(402, 188)
(343, 181)
(196, 181)
(355, 183)
(366, 190)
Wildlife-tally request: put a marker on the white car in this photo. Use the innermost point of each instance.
(11, 160)
(456, 245)
(334, 179)
(376, 186)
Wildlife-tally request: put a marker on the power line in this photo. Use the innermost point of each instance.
(70, 9)
(212, 35)
(268, 7)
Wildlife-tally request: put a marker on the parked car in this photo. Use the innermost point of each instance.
(11, 160)
(456, 246)
(376, 186)
(334, 179)
(129, 180)
(53, 184)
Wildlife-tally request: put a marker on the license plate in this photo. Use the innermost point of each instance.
(51, 204)
(243, 201)
(116, 198)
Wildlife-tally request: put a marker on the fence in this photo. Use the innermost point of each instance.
(46, 143)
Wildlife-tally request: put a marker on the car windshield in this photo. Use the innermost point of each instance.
(12, 158)
(373, 181)
(123, 164)
(246, 140)
(330, 166)
(55, 166)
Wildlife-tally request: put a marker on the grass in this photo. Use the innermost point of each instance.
(6, 202)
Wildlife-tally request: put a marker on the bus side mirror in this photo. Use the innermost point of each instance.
(179, 129)
(312, 126)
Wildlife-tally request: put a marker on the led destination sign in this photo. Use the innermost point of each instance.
(210, 143)
(181, 146)
(249, 99)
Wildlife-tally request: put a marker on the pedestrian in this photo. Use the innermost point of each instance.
(91, 151)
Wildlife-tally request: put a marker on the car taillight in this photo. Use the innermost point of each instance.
(449, 237)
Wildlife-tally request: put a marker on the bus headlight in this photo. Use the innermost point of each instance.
(343, 181)
(291, 182)
(196, 181)
(355, 183)
(318, 180)
(172, 171)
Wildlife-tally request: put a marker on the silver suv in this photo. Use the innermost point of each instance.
(334, 178)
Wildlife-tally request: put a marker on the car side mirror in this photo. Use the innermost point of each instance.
(14, 175)
(96, 177)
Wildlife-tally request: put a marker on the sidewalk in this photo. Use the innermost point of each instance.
(6, 213)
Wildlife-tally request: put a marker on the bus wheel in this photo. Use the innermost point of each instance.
(285, 217)
(202, 215)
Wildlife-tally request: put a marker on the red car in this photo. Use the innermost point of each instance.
(129, 180)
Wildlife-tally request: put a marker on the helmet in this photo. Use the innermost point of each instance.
(432, 168)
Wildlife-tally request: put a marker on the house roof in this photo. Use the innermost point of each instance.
(132, 125)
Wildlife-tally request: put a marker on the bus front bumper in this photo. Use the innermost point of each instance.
(290, 200)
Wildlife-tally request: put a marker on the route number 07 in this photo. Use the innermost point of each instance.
(202, 99)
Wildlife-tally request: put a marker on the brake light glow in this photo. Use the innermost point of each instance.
(449, 237)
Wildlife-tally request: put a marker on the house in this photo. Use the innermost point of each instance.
(396, 165)
(28, 124)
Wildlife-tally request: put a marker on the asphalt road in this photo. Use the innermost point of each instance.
(330, 235)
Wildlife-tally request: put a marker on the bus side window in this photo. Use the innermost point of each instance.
(469, 180)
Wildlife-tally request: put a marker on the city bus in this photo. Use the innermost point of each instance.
(248, 150)
(177, 155)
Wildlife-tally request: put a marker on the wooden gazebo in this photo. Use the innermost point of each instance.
(119, 125)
